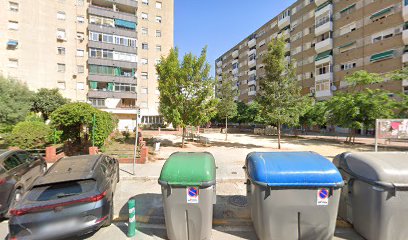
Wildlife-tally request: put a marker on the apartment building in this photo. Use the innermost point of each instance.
(98, 51)
(326, 41)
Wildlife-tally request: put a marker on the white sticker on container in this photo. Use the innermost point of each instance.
(193, 195)
(322, 197)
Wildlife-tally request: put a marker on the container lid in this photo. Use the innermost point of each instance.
(378, 167)
(189, 169)
(292, 169)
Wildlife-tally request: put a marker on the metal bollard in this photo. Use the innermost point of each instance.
(132, 218)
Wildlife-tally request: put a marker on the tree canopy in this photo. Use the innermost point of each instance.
(279, 94)
(46, 101)
(15, 103)
(186, 90)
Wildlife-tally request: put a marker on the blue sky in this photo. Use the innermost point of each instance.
(220, 24)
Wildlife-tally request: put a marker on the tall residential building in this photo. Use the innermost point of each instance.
(102, 52)
(326, 41)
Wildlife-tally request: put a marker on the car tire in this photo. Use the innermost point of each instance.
(109, 220)
(17, 195)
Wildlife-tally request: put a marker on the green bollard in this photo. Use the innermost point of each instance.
(132, 218)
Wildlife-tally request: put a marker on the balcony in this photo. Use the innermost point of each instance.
(234, 71)
(110, 94)
(285, 34)
(405, 36)
(250, 52)
(324, 45)
(112, 30)
(325, 27)
(252, 93)
(284, 22)
(107, 79)
(219, 71)
(235, 54)
(251, 82)
(219, 63)
(252, 63)
(110, 46)
(324, 57)
(324, 8)
(252, 72)
(325, 94)
(405, 57)
(405, 10)
(322, 77)
(252, 43)
(109, 13)
(112, 63)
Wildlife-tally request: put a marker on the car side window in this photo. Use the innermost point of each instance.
(12, 162)
(23, 156)
(104, 166)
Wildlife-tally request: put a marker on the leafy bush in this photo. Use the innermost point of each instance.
(75, 120)
(30, 135)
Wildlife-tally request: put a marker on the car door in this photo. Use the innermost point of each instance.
(31, 165)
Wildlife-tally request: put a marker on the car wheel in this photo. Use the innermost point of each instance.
(109, 220)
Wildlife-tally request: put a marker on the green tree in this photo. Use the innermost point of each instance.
(279, 95)
(30, 135)
(15, 103)
(402, 106)
(360, 79)
(46, 101)
(359, 110)
(316, 115)
(227, 107)
(75, 120)
(186, 90)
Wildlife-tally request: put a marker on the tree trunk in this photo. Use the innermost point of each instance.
(279, 136)
(226, 128)
(182, 137)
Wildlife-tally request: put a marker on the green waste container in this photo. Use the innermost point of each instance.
(188, 187)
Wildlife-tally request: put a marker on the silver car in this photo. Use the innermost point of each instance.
(75, 197)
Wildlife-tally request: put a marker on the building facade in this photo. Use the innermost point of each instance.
(96, 51)
(326, 41)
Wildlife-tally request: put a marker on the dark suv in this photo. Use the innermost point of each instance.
(18, 170)
(75, 197)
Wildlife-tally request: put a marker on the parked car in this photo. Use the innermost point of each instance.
(18, 170)
(75, 197)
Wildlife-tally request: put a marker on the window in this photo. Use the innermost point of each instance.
(347, 47)
(285, 14)
(124, 87)
(158, 48)
(13, 6)
(145, 46)
(158, 5)
(347, 66)
(80, 86)
(144, 31)
(80, 36)
(158, 33)
(144, 75)
(144, 90)
(80, 53)
(145, 2)
(61, 67)
(61, 16)
(80, 19)
(144, 61)
(145, 16)
(13, 63)
(348, 10)
(61, 85)
(60, 50)
(158, 19)
(80, 68)
(12, 162)
(97, 102)
(157, 91)
(13, 25)
(158, 61)
(382, 35)
(61, 34)
(348, 28)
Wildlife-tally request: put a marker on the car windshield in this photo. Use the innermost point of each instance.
(61, 190)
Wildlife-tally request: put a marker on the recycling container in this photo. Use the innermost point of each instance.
(292, 195)
(188, 188)
(375, 197)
